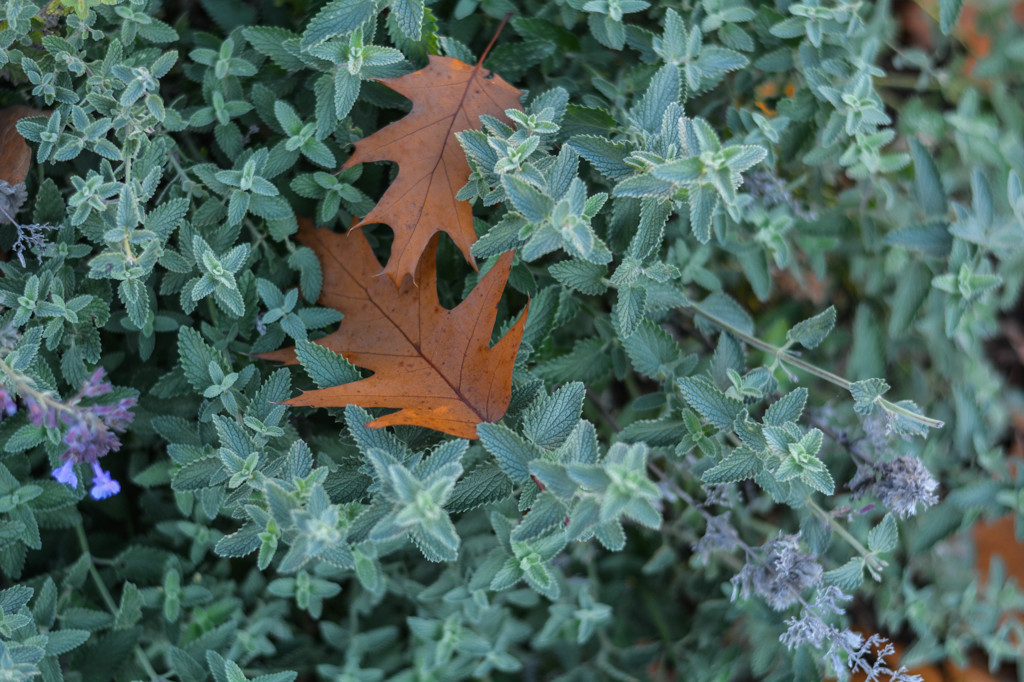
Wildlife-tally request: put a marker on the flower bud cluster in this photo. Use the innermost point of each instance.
(90, 432)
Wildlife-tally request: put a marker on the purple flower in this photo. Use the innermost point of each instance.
(7, 403)
(89, 433)
(116, 416)
(78, 439)
(41, 415)
(95, 385)
(103, 486)
(66, 473)
(89, 438)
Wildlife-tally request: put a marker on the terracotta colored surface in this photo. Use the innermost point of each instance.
(997, 537)
(917, 25)
(978, 42)
(975, 673)
(918, 20)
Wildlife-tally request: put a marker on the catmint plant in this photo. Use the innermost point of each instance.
(713, 339)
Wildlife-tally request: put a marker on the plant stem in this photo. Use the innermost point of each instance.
(784, 356)
(25, 387)
(874, 564)
(140, 655)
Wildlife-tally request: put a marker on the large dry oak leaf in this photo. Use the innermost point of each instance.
(447, 96)
(436, 365)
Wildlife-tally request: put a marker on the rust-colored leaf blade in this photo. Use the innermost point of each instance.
(447, 96)
(15, 154)
(436, 365)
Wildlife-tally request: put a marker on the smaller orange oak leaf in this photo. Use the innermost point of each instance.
(447, 96)
(434, 364)
(15, 154)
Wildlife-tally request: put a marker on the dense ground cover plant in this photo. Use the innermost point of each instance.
(745, 407)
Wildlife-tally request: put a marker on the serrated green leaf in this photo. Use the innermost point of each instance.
(25, 438)
(865, 393)
(788, 408)
(325, 367)
(546, 513)
(196, 356)
(512, 451)
(653, 351)
(927, 182)
(702, 395)
(949, 13)
(337, 18)
(703, 201)
(630, 308)
(738, 465)
(482, 485)
(270, 42)
(60, 642)
(580, 275)
(129, 612)
(550, 420)
(605, 155)
(812, 331)
(847, 577)
(884, 536)
(197, 474)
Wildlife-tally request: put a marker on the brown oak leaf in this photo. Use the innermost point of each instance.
(15, 154)
(447, 96)
(436, 365)
(15, 158)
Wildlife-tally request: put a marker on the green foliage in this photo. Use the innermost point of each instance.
(730, 222)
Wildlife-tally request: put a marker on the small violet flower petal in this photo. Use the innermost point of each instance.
(66, 474)
(103, 486)
(7, 403)
(95, 385)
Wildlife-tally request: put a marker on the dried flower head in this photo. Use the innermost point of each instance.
(867, 657)
(771, 191)
(863, 656)
(783, 574)
(811, 627)
(31, 236)
(719, 536)
(12, 197)
(901, 484)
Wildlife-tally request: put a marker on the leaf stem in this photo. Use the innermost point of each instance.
(873, 563)
(494, 39)
(784, 356)
(25, 386)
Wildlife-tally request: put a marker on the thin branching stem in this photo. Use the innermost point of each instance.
(108, 599)
(784, 356)
(871, 560)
